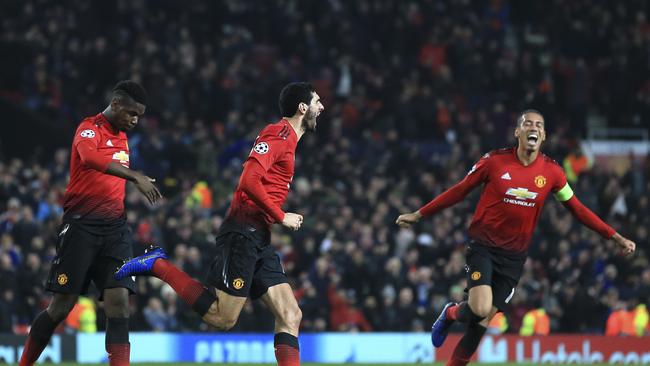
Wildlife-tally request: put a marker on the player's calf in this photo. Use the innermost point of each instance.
(289, 319)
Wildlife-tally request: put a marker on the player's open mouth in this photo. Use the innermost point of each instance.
(532, 138)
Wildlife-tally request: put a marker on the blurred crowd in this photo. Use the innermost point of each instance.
(415, 92)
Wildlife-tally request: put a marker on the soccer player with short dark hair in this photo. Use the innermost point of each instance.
(246, 264)
(94, 239)
(516, 182)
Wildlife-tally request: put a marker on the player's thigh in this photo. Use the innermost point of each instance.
(117, 248)
(270, 284)
(480, 300)
(268, 273)
(233, 267)
(479, 280)
(226, 310)
(505, 279)
(76, 250)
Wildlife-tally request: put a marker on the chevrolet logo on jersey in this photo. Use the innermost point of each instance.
(122, 157)
(521, 195)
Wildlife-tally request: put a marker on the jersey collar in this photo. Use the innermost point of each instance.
(107, 125)
(293, 132)
(514, 156)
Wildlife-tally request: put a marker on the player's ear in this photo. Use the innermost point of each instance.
(517, 132)
(115, 103)
(302, 107)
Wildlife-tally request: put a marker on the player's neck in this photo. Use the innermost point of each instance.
(109, 115)
(525, 156)
(296, 123)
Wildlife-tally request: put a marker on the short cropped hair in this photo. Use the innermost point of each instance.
(292, 95)
(131, 89)
(521, 118)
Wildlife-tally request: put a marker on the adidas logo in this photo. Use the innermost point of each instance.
(109, 143)
(506, 176)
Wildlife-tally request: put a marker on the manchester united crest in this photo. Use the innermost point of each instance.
(540, 181)
(238, 283)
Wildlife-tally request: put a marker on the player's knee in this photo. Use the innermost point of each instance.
(61, 306)
(116, 305)
(481, 310)
(221, 322)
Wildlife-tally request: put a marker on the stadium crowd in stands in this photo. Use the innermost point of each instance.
(416, 92)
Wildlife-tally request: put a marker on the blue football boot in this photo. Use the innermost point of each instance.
(141, 264)
(440, 327)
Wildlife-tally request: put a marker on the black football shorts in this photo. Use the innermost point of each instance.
(495, 268)
(246, 264)
(84, 255)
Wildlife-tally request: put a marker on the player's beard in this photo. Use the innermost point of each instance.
(309, 121)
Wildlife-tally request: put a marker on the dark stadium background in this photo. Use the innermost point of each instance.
(415, 92)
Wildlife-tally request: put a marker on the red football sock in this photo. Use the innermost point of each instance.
(459, 357)
(117, 341)
(462, 313)
(118, 354)
(467, 345)
(287, 351)
(452, 312)
(39, 337)
(187, 288)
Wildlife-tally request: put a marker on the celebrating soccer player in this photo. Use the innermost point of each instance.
(516, 183)
(93, 239)
(246, 264)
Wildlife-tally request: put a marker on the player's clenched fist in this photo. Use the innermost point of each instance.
(292, 221)
(627, 246)
(406, 220)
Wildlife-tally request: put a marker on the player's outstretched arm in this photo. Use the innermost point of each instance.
(592, 221)
(475, 177)
(143, 183)
(448, 198)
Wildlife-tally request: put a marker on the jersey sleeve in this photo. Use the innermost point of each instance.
(267, 150)
(564, 194)
(86, 142)
(87, 133)
(251, 184)
(561, 188)
(478, 174)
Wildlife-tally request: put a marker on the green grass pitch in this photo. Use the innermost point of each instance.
(307, 364)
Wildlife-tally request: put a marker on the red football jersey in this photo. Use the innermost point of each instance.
(91, 194)
(275, 151)
(512, 198)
